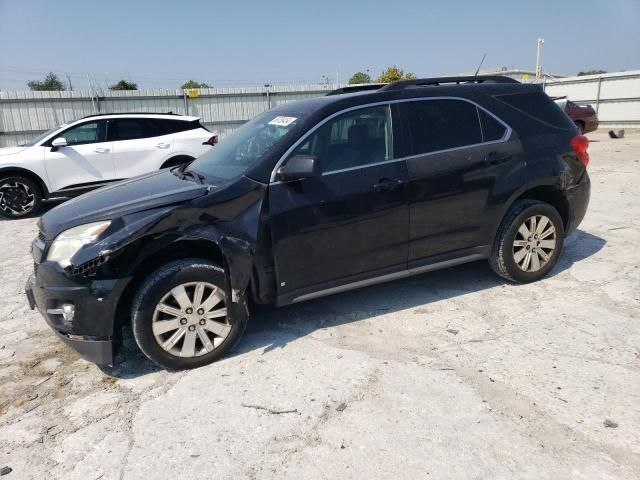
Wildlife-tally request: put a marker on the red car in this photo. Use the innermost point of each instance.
(584, 116)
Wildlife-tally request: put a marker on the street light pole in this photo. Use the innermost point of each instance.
(538, 66)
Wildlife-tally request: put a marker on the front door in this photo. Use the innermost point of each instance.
(86, 159)
(352, 221)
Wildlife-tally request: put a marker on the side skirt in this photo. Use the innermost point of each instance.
(374, 278)
(75, 190)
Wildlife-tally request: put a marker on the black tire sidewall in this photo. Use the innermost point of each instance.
(35, 188)
(512, 268)
(156, 286)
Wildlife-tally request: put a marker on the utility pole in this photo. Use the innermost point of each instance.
(538, 66)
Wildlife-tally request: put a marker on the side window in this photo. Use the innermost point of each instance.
(175, 126)
(492, 129)
(539, 106)
(354, 139)
(132, 129)
(441, 124)
(90, 132)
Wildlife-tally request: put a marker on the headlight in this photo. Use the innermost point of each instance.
(70, 241)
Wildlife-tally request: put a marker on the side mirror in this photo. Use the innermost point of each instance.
(299, 167)
(57, 143)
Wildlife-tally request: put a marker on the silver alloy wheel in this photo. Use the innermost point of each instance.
(534, 243)
(16, 198)
(191, 319)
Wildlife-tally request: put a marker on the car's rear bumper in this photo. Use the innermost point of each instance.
(578, 198)
(590, 124)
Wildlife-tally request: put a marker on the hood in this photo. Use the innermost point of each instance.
(11, 150)
(153, 190)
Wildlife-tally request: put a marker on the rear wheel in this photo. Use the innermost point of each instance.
(19, 197)
(181, 315)
(528, 242)
(580, 126)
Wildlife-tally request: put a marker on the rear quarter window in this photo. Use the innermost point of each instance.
(538, 106)
(492, 129)
(175, 126)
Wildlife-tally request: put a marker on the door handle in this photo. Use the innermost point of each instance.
(163, 145)
(101, 150)
(387, 185)
(493, 158)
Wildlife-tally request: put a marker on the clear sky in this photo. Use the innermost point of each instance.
(241, 42)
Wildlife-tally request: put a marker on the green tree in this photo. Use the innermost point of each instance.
(124, 85)
(359, 77)
(189, 84)
(393, 74)
(50, 82)
(591, 72)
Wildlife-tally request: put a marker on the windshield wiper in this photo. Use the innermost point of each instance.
(198, 178)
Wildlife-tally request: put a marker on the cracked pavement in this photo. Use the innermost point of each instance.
(448, 375)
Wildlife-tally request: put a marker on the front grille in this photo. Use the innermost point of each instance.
(42, 236)
(35, 268)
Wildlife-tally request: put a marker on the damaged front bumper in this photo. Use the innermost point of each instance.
(99, 352)
(79, 310)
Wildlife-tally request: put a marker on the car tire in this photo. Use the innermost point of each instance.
(580, 126)
(523, 251)
(19, 197)
(161, 298)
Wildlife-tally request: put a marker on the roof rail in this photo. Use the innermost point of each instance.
(357, 88)
(131, 113)
(423, 82)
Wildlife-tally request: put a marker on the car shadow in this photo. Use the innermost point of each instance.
(270, 328)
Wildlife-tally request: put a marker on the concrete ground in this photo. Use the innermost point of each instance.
(449, 375)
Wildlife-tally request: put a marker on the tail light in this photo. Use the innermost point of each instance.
(580, 144)
(212, 141)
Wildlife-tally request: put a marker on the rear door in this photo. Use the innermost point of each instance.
(86, 159)
(453, 171)
(140, 145)
(352, 221)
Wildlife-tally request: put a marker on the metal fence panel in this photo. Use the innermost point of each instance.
(24, 115)
(615, 96)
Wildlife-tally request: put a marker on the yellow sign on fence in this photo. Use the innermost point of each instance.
(193, 93)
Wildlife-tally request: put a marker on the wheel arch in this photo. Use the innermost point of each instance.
(176, 160)
(230, 253)
(18, 171)
(544, 192)
(154, 259)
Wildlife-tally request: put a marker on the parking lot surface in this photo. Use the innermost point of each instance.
(450, 375)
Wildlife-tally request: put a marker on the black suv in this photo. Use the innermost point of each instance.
(310, 199)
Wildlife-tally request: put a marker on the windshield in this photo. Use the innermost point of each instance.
(40, 137)
(246, 146)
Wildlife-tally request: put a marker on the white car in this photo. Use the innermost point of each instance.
(93, 151)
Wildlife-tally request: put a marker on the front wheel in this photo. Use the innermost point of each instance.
(528, 242)
(19, 197)
(182, 318)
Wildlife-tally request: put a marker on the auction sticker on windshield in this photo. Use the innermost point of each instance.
(282, 121)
